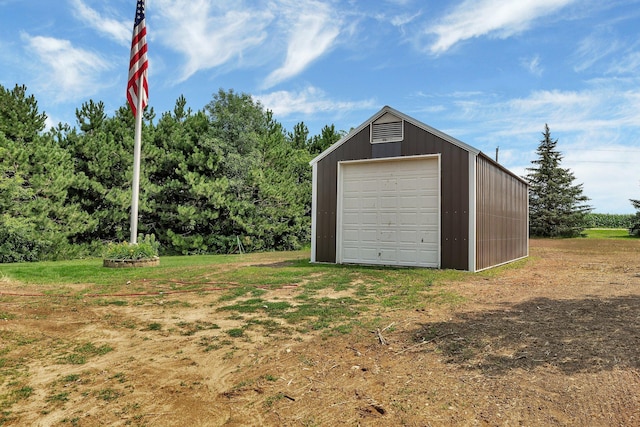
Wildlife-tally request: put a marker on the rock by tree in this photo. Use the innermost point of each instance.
(557, 206)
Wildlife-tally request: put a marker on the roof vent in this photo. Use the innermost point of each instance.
(387, 128)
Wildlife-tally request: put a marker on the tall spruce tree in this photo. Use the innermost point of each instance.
(557, 207)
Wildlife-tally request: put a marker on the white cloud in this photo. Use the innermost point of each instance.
(212, 34)
(399, 2)
(112, 28)
(309, 101)
(533, 65)
(313, 30)
(71, 72)
(496, 18)
(598, 129)
(209, 35)
(629, 64)
(593, 49)
(402, 20)
(567, 111)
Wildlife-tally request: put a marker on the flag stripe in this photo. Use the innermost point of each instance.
(138, 62)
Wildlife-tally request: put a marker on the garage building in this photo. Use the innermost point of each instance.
(396, 191)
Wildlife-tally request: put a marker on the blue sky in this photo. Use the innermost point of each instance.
(488, 72)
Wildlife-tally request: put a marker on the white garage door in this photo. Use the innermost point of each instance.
(389, 212)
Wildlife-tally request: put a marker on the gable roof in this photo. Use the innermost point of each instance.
(388, 110)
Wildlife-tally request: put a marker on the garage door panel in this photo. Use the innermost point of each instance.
(388, 236)
(408, 237)
(427, 237)
(368, 218)
(388, 201)
(369, 235)
(388, 256)
(409, 184)
(408, 257)
(409, 218)
(351, 235)
(429, 181)
(350, 217)
(408, 201)
(387, 218)
(386, 184)
(368, 202)
(366, 255)
(352, 203)
(351, 254)
(428, 258)
(428, 217)
(391, 212)
(428, 202)
(354, 185)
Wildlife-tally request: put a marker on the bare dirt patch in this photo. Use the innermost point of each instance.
(551, 341)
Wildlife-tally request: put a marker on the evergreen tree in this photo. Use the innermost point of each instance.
(186, 190)
(102, 150)
(91, 116)
(299, 138)
(228, 173)
(37, 219)
(20, 119)
(208, 178)
(17, 242)
(636, 219)
(264, 200)
(556, 205)
(328, 136)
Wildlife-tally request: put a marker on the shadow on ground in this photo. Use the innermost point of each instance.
(585, 335)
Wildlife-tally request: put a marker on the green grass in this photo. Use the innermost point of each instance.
(91, 271)
(82, 352)
(235, 332)
(608, 233)
(108, 394)
(60, 397)
(323, 296)
(154, 326)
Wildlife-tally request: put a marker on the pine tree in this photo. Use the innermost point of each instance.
(556, 205)
(20, 119)
(37, 219)
(635, 226)
(299, 138)
(328, 136)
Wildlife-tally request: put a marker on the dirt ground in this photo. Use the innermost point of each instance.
(553, 341)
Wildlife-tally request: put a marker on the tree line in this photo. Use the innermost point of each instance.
(211, 180)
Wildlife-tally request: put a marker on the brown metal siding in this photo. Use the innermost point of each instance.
(454, 190)
(454, 193)
(358, 147)
(501, 215)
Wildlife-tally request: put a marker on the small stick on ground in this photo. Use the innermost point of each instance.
(390, 325)
(380, 337)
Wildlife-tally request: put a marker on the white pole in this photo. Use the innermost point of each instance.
(135, 186)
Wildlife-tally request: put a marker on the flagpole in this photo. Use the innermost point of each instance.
(135, 186)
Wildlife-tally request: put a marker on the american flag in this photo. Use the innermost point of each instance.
(138, 63)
